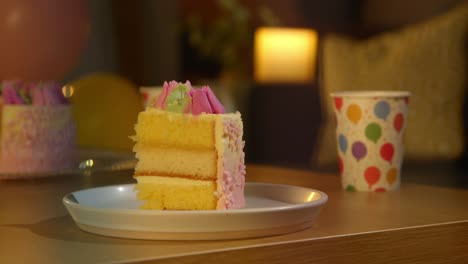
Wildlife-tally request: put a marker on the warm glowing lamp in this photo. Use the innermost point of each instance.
(285, 55)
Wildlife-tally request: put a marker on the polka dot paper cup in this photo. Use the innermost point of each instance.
(369, 133)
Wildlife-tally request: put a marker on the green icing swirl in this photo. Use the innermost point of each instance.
(177, 100)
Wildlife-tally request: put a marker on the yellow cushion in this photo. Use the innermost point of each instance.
(427, 59)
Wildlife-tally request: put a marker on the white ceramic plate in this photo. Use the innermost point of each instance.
(271, 209)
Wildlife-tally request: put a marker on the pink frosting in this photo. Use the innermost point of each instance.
(231, 191)
(52, 94)
(38, 97)
(35, 93)
(200, 102)
(203, 100)
(216, 106)
(167, 89)
(37, 139)
(10, 96)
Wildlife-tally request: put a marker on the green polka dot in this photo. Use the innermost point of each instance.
(350, 188)
(373, 132)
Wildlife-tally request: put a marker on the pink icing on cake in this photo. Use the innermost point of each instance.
(216, 106)
(183, 98)
(38, 133)
(167, 88)
(231, 192)
(36, 138)
(202, 100)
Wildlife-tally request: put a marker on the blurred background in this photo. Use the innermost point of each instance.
(109, 49)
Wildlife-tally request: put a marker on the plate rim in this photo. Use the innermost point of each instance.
(316, 203)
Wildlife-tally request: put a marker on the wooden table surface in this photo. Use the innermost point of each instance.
(417, 224)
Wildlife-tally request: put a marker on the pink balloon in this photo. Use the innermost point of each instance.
(43, 39)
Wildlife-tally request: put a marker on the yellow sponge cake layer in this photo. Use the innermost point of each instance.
(175, 193)
(172, 161)
(178, 130)
(189, 162)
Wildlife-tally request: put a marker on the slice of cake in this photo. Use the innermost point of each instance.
(190, 154)
(37, 129)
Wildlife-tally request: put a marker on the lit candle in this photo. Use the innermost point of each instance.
(285, 55)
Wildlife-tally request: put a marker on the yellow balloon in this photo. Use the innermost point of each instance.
(105, 107)
(392, 175)
(354, 113)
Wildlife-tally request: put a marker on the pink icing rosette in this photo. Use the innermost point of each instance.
(32, 93)
(200, 101)
(167, 89)
(205, 101)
